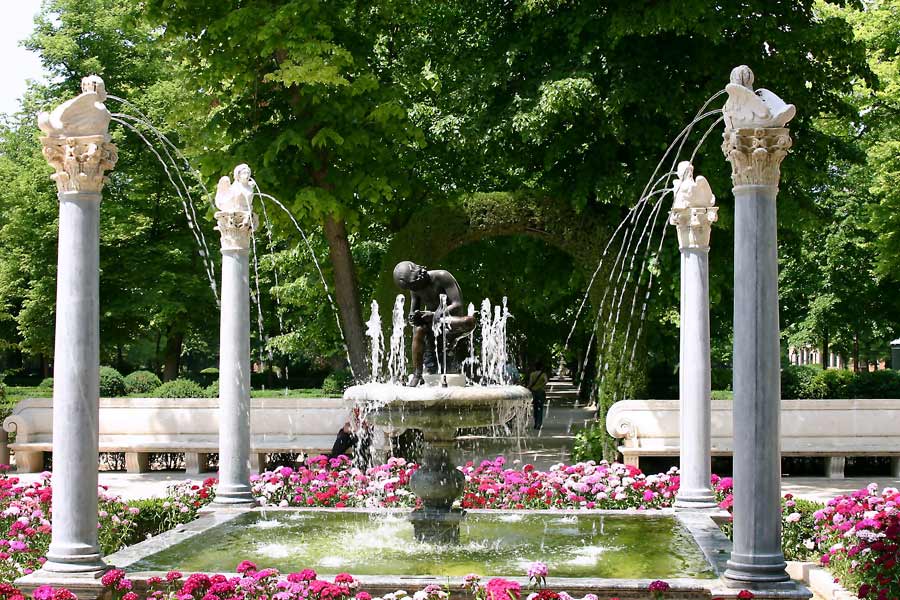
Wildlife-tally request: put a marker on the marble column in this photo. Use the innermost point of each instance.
(755, 142)
(235, 225)
(77, 145)
(693, 213)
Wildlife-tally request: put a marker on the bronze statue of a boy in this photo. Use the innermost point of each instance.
(425, 289)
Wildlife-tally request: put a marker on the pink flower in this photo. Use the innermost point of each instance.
(502, 589)
(537, 570)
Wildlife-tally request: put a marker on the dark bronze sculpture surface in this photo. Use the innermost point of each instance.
(425, 289)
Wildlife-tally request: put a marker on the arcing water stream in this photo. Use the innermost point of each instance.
(613, 347)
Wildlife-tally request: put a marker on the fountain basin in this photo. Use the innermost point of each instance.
(436, 409)
(575, 545)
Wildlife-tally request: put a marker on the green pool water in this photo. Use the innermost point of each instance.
(491, 545)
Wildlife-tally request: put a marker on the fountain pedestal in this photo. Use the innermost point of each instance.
(438, 483)
(437, 412)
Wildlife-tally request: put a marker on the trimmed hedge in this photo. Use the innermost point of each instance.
(809, 381)
(46, 383)
(112, 383)
(212, 390)
(141, 382)
(179, 388)
(337, 382)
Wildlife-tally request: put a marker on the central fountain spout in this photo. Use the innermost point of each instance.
(444, 403)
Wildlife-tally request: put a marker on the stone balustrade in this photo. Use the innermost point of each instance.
(834, 429)
(140, 426)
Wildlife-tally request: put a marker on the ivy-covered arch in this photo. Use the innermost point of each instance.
(437, 230)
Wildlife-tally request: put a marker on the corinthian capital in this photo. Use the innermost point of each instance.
(694, 226)
(235, 228)
(80, 162)
(756, 154)
(76, 139)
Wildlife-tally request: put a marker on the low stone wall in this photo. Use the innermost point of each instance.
(834, 429)
(139, 426)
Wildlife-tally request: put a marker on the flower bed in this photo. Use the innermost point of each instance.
(860, 535)
(25, 520)
(336, 483)
(252, 583)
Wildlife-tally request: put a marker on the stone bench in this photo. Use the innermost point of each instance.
(141, 426)
(834, 429)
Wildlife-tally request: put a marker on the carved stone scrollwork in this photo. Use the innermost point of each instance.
(235, 228)
(756, 154)
(80, 162)
(694, 226)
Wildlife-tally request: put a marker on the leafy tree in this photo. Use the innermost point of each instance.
(152, 282)
(300, 90)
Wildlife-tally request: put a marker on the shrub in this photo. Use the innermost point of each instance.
(141, 382)
(179, 388)
(212, 390)
(721, 378)
(798, 528)
(590, 443)
(796, 382)
(877, 384)
(834, 382)
(46, 383)
(721, 395)
(111, 383)
(337, 382)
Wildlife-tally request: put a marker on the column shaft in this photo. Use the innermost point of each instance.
(694, 381)
(234, 380)
(756, 555)
(76, 389)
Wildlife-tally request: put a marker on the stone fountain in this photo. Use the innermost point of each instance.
(436, 399)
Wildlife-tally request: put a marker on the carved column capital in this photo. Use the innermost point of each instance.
(235, 228)
(756, 154)
(80, 162)
(694, 225)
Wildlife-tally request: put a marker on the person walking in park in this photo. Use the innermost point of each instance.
(537, 384)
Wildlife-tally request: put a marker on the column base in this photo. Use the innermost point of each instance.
(234, 495)
(698, 499)
(86, 585)
(83, 560)
(742, 569)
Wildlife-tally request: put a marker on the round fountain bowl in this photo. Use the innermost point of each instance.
(436, 410)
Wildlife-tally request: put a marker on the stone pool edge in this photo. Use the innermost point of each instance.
(701, 525)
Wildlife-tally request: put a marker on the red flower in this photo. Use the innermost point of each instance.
(745, 595)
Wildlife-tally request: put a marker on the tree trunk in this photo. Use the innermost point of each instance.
(172, 355)
(346, 292)
(856, 352)
(824, 357)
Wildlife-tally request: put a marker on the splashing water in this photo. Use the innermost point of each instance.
(376, 341)
(494, 355)
(626, 266)
(397, 356)
(315, 259)
(183, 193)
(439, 326)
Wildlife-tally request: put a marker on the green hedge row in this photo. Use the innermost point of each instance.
(813, 382)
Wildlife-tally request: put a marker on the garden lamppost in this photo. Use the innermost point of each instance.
(693, 213)
(77, 145)
(755, 143)
(236, 222)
